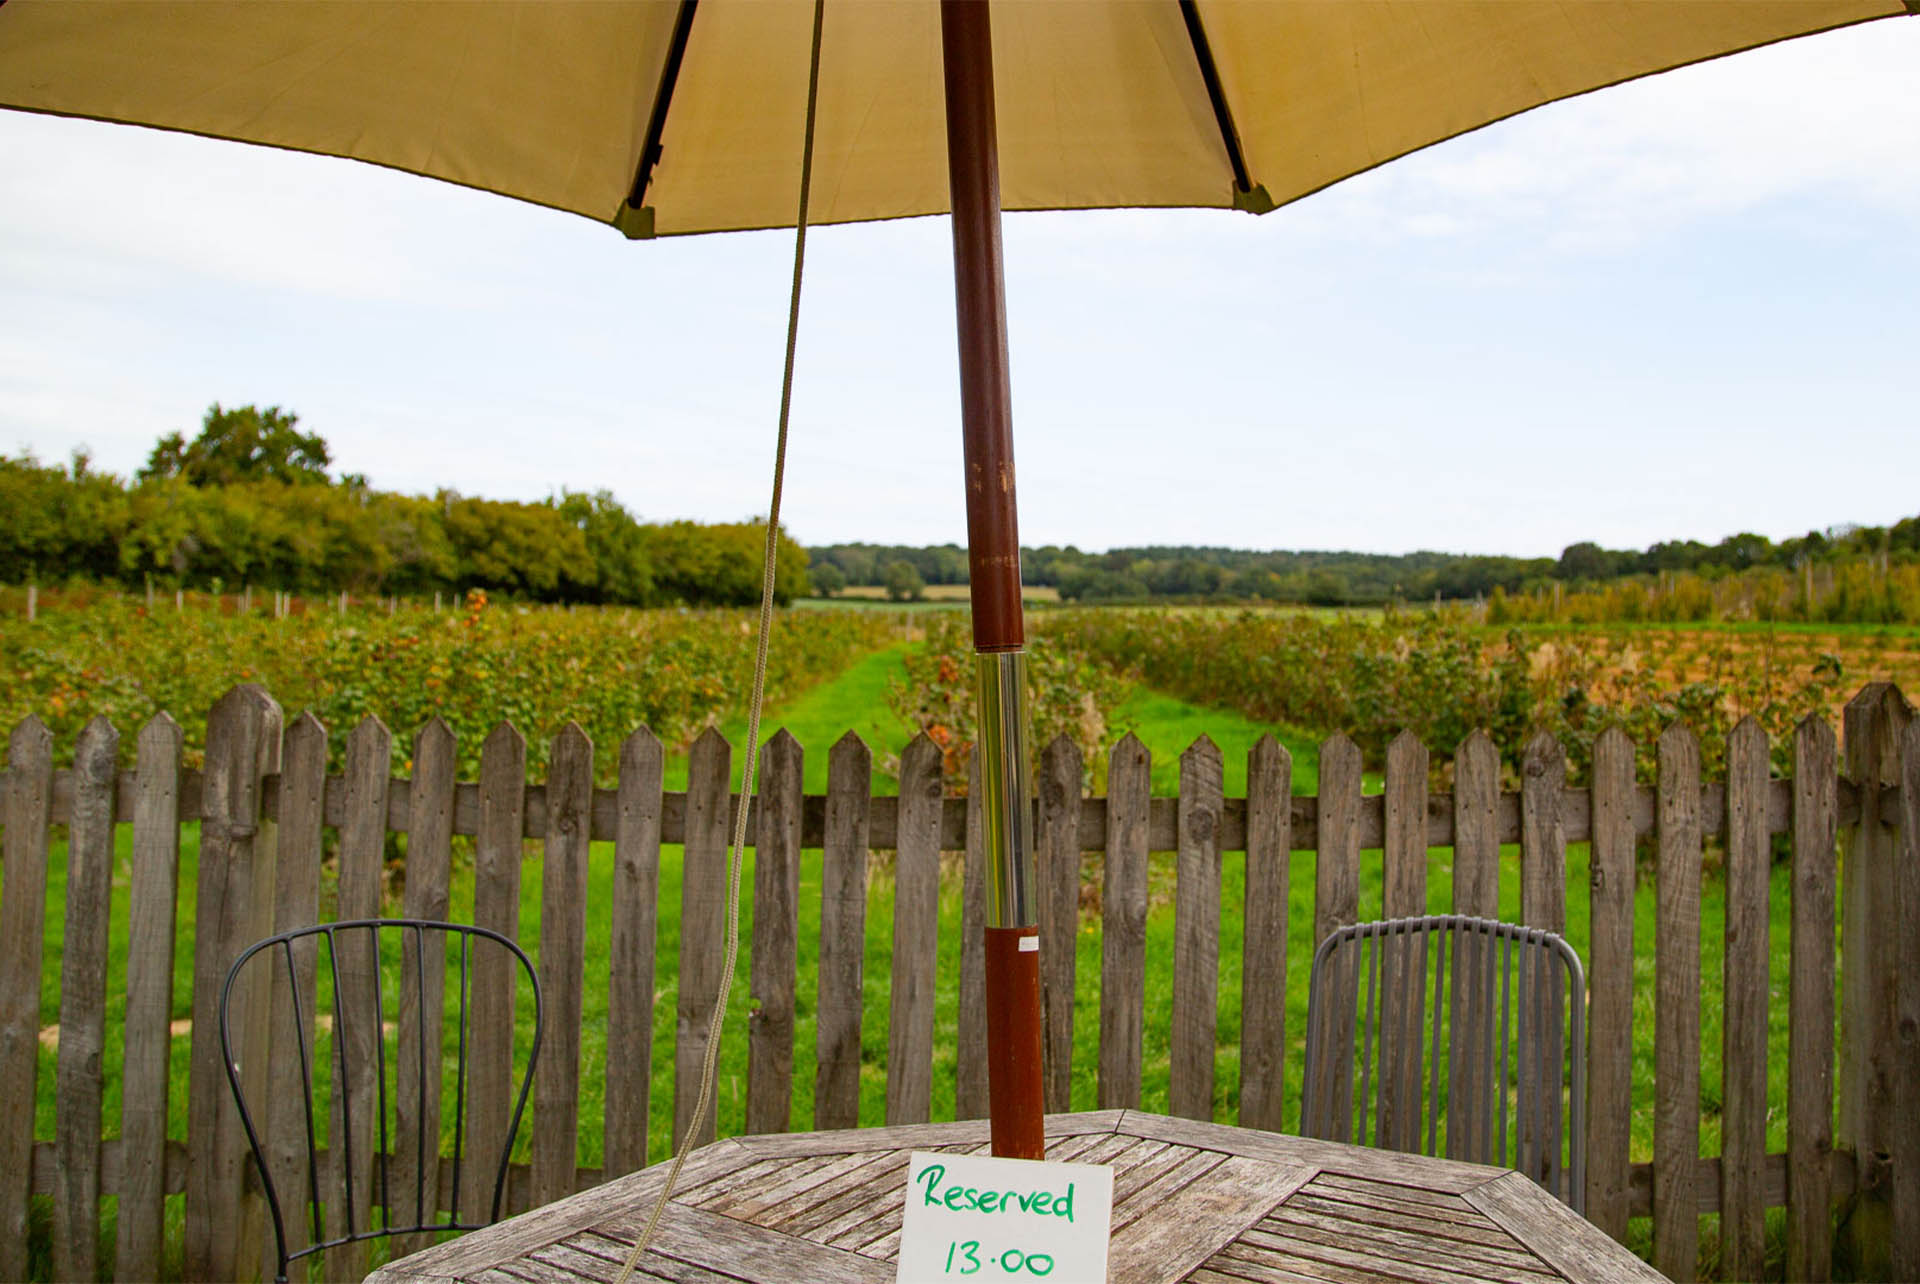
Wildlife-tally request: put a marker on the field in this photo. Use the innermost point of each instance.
(939, 594)
(851, 669)
(609, 669)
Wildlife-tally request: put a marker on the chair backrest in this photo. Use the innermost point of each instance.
(1496, 1013)
(353, 1122)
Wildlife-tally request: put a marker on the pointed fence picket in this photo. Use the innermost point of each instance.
(265, 806)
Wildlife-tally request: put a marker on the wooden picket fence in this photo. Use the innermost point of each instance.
(264, 798)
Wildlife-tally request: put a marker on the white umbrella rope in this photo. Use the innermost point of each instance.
(736, 855)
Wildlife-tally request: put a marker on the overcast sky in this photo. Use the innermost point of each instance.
(1684, 307)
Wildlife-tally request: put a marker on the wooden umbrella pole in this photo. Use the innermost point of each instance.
(993, 556)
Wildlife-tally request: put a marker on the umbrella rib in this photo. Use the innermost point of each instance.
(1217, 95)
(662, 100)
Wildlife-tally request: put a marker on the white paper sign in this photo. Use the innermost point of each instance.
(972, 1217)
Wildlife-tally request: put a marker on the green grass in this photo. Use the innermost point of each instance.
(857, 699)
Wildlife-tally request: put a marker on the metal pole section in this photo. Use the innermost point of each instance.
(993, 553)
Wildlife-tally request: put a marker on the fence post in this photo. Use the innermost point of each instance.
(774, 972)
(28, 806)
(843, 935)
(1196, 933)
(1058, 848)
(636, 916)
(79, 1078)
(1676, 1012)
(703, 905)
(916, 918)
(153, 904)
(563, 936)
(1874, 722)
(1906, 1136)
(234, 908)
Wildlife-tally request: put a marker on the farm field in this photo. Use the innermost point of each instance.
(610, 669)
(945, 595)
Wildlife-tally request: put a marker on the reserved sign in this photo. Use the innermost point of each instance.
(975, 1217)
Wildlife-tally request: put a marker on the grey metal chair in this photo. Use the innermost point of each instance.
(1496, 1012)
(386, 1036)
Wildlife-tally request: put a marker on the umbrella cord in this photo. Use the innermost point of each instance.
(709, 1071)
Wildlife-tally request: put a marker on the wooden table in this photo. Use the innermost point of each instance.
(1192, 1201)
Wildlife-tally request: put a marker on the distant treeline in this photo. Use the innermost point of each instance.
(1370, 579)
(249, 502)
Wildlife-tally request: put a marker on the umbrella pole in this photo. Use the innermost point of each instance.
(993, 555)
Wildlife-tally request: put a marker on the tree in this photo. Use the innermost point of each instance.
(904, 583)
(618, 545)
(1584, 561)
(245, 444)
(827, 579)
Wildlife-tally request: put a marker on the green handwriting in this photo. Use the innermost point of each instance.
(1041, 1203)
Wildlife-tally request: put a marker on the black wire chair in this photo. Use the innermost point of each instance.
(357, 973)
(1498, 1013)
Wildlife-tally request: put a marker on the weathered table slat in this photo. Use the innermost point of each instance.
(1192, 1201)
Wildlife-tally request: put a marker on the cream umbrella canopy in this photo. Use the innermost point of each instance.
(682, 116)
(671, 117)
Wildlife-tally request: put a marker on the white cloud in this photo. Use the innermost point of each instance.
(1832, 116)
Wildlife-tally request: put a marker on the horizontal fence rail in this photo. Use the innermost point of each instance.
(265, 802)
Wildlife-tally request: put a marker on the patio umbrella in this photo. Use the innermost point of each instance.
(669, 117)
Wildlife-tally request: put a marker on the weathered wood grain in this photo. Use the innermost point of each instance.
(1057, 853)
(1743, 1059)
(745, 1251)
(152, 904)
(773, 976)
(1543, 848)
(1263, 974)
(1905, 1155)
(1676, 1032)
(495, 978)
(1810, 1005)
(633, 934)
(417, 1077)
(1610, 878)
(1336, 903)
(1404, 895)
(1476, 833)
(1556, 1233)
(296, 904)
(79, 1083)
(1386, 1234)
(1476, 892)
(916, 917)
(482, 1250)
(970, 1041)
(1419, 1171)
(703, 907)
(563, 937)
(965, 1132)
(1870, 933)
(1403, 1216)
(1543, 903)
(233, 909)
(1200, 1218)
(356, 968)
(1123, 926)
(843, 936)
(1196, 933)
(23, 909)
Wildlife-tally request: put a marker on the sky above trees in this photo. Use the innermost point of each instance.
(1677, 309)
